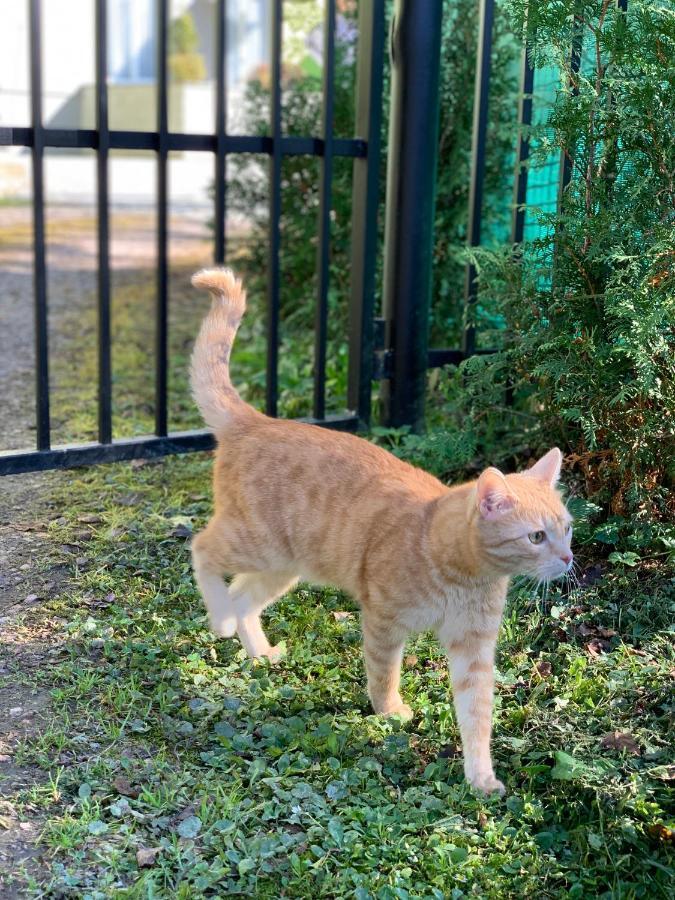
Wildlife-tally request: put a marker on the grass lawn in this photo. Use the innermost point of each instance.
(74, 366)
(169, 765)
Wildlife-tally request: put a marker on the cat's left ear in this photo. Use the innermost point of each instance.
(492, 494)
(547, 468)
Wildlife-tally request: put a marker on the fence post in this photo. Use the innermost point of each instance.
(411, 181)
(478, 148)
(365, 200)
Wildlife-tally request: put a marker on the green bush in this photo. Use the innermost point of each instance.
(185, 61)
(248, 182)
(458, 69)
(248, 192)
(589, 346)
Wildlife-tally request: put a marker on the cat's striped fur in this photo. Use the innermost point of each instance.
(294, 501)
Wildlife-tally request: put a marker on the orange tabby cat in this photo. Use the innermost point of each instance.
(294, 501)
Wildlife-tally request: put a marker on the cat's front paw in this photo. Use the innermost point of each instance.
(487, 784)
(223, 626)
(274, 654)
(402, 710)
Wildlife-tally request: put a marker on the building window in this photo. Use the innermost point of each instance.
(131, 40)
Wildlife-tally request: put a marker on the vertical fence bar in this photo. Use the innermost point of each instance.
(523, 148)
(566, 158)
(411, 182)
(274, 273)
(365, 200)
(325, 185)
(161, 335)
(104, 368)
(478, 144)
(220, 180)
(39, 261)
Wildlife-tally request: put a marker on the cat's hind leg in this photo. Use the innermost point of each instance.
(250, 593)
(383, 651)
(209, 562)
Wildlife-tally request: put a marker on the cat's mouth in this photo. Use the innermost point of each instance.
(551, 574)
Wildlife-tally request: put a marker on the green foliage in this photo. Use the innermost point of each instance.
(589, 346)
(248, 193)
(169, 765)
(183, 35)
(185, 62)
(248, 183)
(458, 69)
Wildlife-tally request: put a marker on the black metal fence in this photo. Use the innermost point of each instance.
(363, 148)
(393, 349)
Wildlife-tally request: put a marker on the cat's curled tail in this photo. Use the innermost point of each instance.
(212, 389)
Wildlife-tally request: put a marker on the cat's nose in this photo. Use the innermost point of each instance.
(566, 558)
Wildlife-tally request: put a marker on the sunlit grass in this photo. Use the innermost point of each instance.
(278, 781)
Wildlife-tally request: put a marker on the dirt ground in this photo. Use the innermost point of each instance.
(72, 260)
(31, 570)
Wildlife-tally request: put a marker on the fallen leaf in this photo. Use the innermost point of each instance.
(124, 787)
(89, 519)
(663, 773)
(410, 661)
(342, 615)
(596, 647)
(662, 833)
(606, 632)
(146, 856)
(543, 668)
(620, 740)
(183, 531)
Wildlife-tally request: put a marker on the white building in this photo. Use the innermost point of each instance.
(69, 97)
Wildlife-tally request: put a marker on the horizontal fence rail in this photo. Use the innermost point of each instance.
(88, 139)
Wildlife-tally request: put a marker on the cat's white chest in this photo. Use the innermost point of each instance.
(431, 611)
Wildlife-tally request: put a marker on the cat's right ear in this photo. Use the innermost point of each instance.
(493, 497)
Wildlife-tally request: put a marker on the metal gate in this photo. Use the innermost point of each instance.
(393, 348)
(364, 148)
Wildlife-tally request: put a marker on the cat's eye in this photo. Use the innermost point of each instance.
(536, 537)
(569, 528)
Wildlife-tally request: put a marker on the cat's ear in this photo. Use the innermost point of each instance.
(492, 494)
(547, 468)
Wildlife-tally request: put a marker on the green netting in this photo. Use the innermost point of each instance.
(543, 176)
